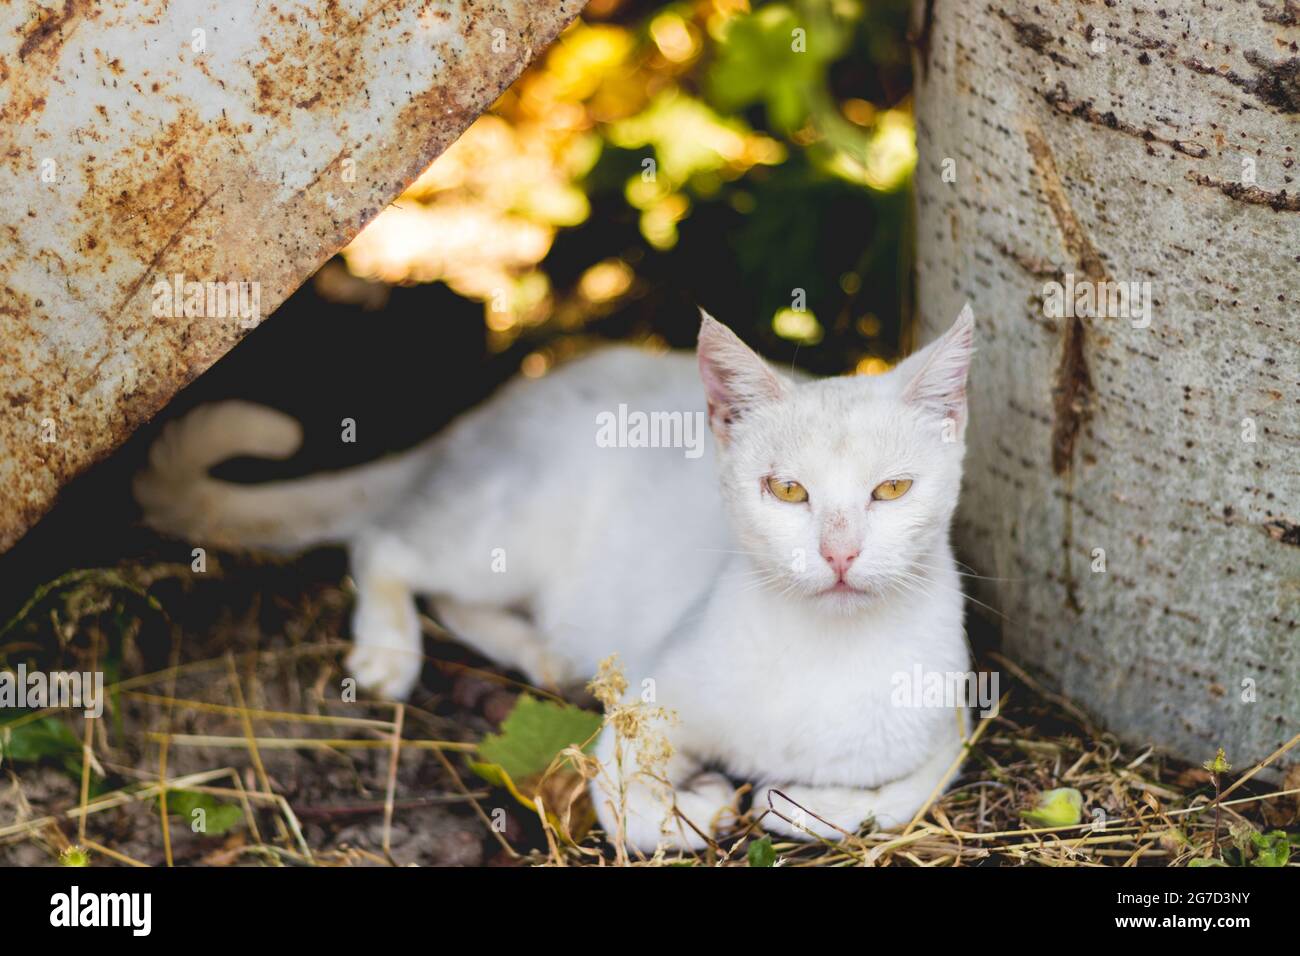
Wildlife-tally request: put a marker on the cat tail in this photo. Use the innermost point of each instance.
(180, 498)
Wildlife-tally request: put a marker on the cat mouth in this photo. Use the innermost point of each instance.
(841, 587)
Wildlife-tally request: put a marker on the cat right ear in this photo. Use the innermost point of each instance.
(936, 375)
(735, 378)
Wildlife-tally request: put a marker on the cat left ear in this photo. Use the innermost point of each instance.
(735, 378)
(936, 375)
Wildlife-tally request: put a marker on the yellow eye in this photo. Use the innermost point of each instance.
(889, 490)
(790, 491)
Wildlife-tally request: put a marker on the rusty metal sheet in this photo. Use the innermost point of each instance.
(236, 145)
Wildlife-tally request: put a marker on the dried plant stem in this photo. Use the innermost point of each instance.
(960, 759)
(247, 721)
(394, 756)
(162, 803)
(308, 743)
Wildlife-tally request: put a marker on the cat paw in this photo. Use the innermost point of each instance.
(648, 836)
(387, 671)
(708, 802)
(809, 813)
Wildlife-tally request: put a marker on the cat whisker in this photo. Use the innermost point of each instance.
(918, 580)
(972, 576)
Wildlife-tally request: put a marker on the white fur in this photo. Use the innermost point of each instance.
(689, 569)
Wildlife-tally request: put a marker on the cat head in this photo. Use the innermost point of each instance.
(839, 489)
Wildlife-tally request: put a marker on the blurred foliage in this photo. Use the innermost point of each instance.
(755, 160)
(44, 740)
(210, 815)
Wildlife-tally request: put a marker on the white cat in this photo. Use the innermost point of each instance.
(770, 591)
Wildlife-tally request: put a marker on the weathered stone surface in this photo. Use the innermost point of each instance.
(1149, 143)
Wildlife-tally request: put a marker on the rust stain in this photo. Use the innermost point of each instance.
(1072, 393)
(1287, 15)
(1073, 385)
(1033, 36)
(1276, 82)
(219, 160)
(325, 170)
(1058, 97)
(1280, 201)
(295, 72)
(49, 25)
(1072, 389)
(36, 67)
(1034, 265)
(1075, 237)
(165, 248)
(1287, 532)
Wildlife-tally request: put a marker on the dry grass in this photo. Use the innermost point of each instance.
(245, 709)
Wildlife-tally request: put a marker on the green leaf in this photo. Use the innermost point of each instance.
(760, 853)
(48, 740)
(1062, 807)
(223, 817)
(1205, 861)
(1271, 849)
(534, 733)
(218, 817)
(775, 56)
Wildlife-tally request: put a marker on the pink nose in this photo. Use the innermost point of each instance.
(839, 558)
